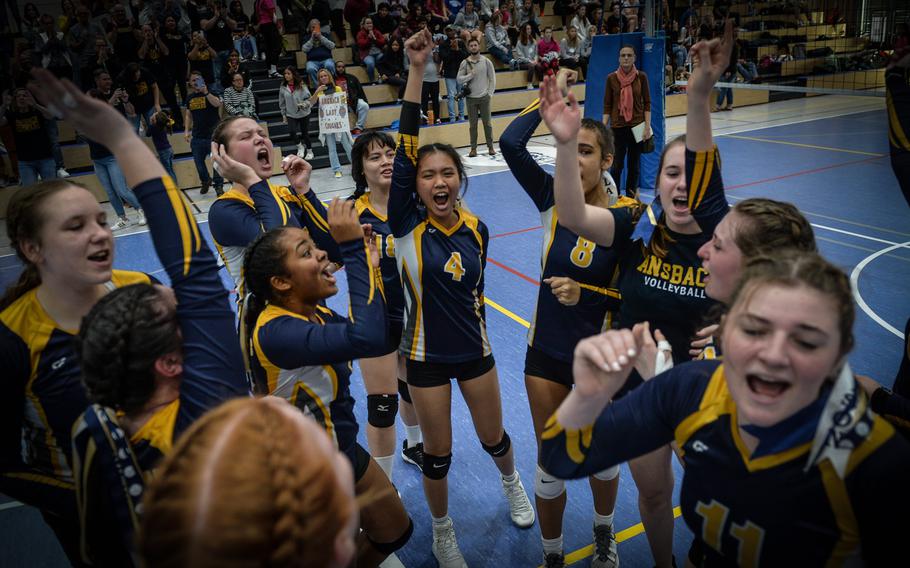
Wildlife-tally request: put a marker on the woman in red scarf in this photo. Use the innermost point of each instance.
(627, 106)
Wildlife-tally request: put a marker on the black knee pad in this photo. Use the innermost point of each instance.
(403, 391)
(382, 409)
(500, 449)
(436, 467)
(390, 547)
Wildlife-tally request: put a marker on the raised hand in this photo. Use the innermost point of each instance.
(418, 48)
(372, 241)
(655, 355)
(602, 363)
(563, 119)
(298, 172)
(566, 290)
(704, 337)
(231, 169)
(709, 60)
(344, 224)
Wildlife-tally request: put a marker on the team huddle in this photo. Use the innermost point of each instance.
(161, 426)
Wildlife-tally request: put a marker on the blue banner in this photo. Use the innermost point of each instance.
(650, 60)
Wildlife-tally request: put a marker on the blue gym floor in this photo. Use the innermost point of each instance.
(838, 173)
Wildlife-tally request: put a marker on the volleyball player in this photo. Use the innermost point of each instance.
(662, 278)
(304, 351)
(441, 254)
(577, 300)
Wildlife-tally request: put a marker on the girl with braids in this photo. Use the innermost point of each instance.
(373, 155)
(786, 465)
(662, 281)
(577, 299)
(153, 358)
(441, 254)
(61, 235)
(252, 483)
(234, 219)
(304, 351)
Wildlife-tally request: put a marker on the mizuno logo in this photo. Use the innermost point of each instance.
(382, 408)
(58, 363)
(699, 446)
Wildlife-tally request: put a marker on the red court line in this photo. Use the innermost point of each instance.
(513, 271)
(804, 172)
(517, 232)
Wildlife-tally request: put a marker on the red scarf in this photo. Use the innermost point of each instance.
(625, 94)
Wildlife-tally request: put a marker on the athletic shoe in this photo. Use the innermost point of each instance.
(120, 224)
(530, 86)
(309, 154)
(337, 175)
(301, 150)
(492, 151)
(141, 217)
(520, 508)
(445, 546)
(605, 555)
(513, 64)
(205, 187)
(554, 560)
(472, 153)
(62, 173)
(412, 454)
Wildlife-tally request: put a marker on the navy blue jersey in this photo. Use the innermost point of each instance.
(557, 328)
(897, 81)
(307, 359)
(236, 219)
(669, 291)
(824, 498)
(441, 269)
(387, 265)
(43, 396)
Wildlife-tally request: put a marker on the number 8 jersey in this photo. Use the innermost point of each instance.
(441, 269)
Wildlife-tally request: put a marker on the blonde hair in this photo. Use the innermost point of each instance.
(244, 487)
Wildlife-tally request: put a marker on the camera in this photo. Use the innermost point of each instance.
(464, 91)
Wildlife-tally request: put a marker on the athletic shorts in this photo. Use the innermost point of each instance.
(360, 460)
(393, 337)
(539, 364)
(423, 374)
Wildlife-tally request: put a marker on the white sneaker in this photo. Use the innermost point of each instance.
(605, 555)
(309, 154)
(445, 546)
(391, 561)
(141, 217)
(519, 505)
(120, 224)
(530, 86)
(337, 175)
(62, 173)
(301, 151)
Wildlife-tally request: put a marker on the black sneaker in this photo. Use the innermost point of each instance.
(413, 455)
(554, 560)
(605, 555)
(219, 191)
(205, 187)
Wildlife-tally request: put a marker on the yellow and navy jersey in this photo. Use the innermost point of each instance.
(808, 495)
(307, 359)
(563, 253)
(441, 269)
(237, 218)
(897, 100)
(385, 242)
(43, 396)
(669, 291)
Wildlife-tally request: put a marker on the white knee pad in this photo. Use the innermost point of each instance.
(546, 486)
(607, 474)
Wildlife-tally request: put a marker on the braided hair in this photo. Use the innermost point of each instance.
(118, 343)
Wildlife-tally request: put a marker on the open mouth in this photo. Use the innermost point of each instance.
(387, 172)
(264, 157)
(680, 204)
(101, 256)
(766, 386)
(327, 274)
(441, 199)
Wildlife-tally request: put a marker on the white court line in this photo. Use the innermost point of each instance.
(854, 283)
(11, 505)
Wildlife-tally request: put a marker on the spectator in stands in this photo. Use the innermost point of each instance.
(507, 10)
(162, 126)
(202, 58)
(296, 104)
(143, 90)
(318, 49)
(478, 76)
(685, 41)
(596, 18)
(111, 178)
(498, 41)
(486, 9)
(526, 15)
(152, 55)
(233, 66)
(357, 97)
(617, 22)
(571, 51)
(31, 22)
(264, 16)
(901, 36)
(200, 117)
(244, 41)
(525, 52)
(391, 67)
(728, 76)
(627, 105)
(67, 15)
(81, 40)
(355, 11)
(402, 32)
(631, 13)
(174, 9)
(747, 68)
(429, 92)
(51, 47)
(123, 34)
(370, 42)
(177, 64)
(327, 86)
(580, 22)
(467, 22)
(336, 14)
(238, 99)
(451, 53)
(439, 15)
(218, 27)
(117, 98)
(384, 21)
(27, 119)
(192, 12)
(547, 54)
(146, 12)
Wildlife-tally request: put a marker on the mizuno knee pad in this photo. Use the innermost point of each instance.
(382, 409)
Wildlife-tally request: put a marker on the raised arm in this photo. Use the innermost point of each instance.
(564, 121)
(709, 60)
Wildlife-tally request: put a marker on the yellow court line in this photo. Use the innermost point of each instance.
(800, 145)
(508, 313)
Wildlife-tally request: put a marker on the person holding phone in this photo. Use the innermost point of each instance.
(201, 114)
